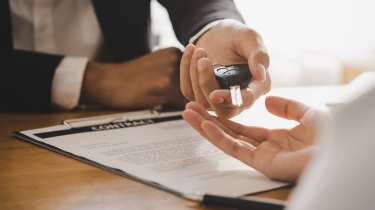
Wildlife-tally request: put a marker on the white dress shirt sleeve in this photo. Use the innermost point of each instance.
(67, 82)
(206, 28)
(341, 176)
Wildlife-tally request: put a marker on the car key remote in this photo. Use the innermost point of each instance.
(233, 77)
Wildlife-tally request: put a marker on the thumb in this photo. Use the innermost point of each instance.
(250, 46)
(286, 108)
(259, 62)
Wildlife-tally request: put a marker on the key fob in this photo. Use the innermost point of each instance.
(232, 75)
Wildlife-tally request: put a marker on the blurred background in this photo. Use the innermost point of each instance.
(311, 42)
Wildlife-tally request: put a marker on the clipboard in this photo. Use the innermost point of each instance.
(100, 120)
(117, 123)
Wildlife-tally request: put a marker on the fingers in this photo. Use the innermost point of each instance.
(254, 133)
(217, 136)
(238, 149)
(185, 81)
(198, 109)
(206, 77)
(258, 62)
(194, 76)
(200, 84)
(250, 46)
(195, 120)
(222, 102)
(286, 108)
(259, 88)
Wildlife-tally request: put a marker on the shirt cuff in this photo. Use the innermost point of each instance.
(67, 82)
(206, 28)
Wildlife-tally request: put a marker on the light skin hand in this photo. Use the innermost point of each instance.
(137, 84)
(230, 42)
(280, 154)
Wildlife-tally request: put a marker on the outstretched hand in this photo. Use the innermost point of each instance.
(229, 42)
(280, 154)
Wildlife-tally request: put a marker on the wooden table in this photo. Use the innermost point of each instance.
(35, 178)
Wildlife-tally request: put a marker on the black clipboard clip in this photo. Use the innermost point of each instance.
(240, 203)
(112, 118)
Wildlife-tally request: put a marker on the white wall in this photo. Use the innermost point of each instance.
(343, 28)
(308, 40)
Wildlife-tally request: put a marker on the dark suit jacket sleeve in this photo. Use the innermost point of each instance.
(189, 16)
(25, 77)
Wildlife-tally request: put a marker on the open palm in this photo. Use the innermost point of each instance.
(278, 153)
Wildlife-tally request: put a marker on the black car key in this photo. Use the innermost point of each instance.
(233, 77)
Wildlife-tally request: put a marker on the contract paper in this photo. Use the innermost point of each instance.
(163, 151)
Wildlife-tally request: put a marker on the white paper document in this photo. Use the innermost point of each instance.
(161, 150)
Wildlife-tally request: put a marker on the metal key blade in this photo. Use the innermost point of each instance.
(235, 94)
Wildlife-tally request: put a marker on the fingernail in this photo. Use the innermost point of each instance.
(202, 124)
(215, 100)
(262, 72)
(219, 100)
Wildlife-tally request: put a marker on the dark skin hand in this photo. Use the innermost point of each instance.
(141, 83)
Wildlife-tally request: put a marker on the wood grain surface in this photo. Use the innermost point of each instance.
(35, 178)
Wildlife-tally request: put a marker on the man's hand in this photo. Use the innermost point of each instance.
(280, 154)
(229, 42)
(141, 83)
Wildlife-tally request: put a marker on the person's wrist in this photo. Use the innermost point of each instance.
(94, 82)
(213, 29)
